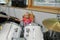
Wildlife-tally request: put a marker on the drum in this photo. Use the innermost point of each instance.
(10, 31)
(15, 32)
(57, 36)
(33, 32)
(52, 35)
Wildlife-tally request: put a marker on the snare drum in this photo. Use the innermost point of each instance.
(52, 35)
(33, 32)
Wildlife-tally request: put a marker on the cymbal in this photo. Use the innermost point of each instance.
(1, 15)
(52, 24)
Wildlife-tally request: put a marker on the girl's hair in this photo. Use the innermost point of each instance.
(26, 13)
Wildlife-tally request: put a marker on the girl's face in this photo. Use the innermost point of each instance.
(26, 15)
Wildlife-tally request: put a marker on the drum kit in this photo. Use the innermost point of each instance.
(14, 32)
(52, 24)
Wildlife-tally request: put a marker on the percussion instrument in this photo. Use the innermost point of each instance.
(33, 32)
(10, 31)
(1, 15)
(15, 32)
(52, 24)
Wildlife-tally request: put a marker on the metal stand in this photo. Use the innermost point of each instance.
(52, 33)
(58, 16)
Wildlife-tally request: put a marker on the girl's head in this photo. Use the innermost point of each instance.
(28, 15)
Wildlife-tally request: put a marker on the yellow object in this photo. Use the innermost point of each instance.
(0, 27)
(32, 17)
(52, 24)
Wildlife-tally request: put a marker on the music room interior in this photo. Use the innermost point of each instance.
(29, 19)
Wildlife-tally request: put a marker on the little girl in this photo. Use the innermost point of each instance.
(26, 19)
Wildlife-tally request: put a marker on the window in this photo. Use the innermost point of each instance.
(55, 3)
(27, 2)
(39, 0)
(48, 1)
(3, 1)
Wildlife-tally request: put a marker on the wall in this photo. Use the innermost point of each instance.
(40, 16)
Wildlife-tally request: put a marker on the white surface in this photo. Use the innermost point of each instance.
(5, 34)
(34, 33)
(13, 33)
